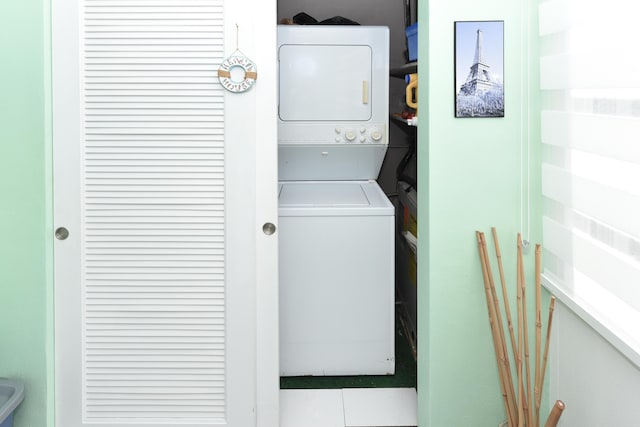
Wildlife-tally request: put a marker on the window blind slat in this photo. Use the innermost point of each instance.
(614, 68)
(610, 136)
(553, 18)
(556, 16)
(594, 260)
(591, 198)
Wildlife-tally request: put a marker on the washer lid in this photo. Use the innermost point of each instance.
(323, 194)
(311, 198)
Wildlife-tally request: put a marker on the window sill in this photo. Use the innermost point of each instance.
(619, 325)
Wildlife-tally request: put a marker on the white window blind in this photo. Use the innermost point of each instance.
(590, 81)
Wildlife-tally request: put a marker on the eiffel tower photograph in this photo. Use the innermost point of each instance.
(479, 67)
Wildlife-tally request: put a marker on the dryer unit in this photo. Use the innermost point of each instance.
(333, 101)
(336, 225)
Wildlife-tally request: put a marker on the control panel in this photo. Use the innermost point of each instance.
(359, 135)
(341, 133)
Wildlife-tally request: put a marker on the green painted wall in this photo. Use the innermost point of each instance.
(24, 208)
(473, 175)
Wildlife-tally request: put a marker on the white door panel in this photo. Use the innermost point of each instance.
(155, 179)
(325, 82)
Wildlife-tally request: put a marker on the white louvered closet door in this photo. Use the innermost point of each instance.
(156, 180)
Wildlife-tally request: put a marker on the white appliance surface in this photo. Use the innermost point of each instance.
(346, 198)
(330, 162)
(336, 279)
(309, 73)
(333, 101)
(328, 193)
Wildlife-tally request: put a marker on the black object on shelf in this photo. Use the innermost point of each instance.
(304, 18)
(400, 72)
(401, 175)
(400, 171)
(397, 118)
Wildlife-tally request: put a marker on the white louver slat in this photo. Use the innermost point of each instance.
(153, 207)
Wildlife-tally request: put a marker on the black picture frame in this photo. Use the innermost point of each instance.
(479, 69)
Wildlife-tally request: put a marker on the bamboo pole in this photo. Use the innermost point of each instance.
(507, 309)
(521, 399)
(486, 268)
(552, 305)
(505, 295)
(504, 352)
(537, 384)
(485, 277)
(525, 325)
(554, 416)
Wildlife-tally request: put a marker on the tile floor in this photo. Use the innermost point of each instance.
(349, 407)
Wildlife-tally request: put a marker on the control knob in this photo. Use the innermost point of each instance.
(376, 134)
(350, 135)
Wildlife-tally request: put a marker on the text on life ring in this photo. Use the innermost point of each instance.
(237, 74)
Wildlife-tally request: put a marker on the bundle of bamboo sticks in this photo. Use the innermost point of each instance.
(522, 407)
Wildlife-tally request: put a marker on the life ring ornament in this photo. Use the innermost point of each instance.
(240, 63)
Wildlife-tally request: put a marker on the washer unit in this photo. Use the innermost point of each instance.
(336, 226)
(336, 279)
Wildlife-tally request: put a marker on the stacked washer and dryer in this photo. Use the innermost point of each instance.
(336, 224)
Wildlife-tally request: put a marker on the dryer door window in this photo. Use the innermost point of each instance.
(325, 83)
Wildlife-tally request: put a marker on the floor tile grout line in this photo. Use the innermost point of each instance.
(344, 408)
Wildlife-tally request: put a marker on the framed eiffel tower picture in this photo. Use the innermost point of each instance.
(479, 68)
